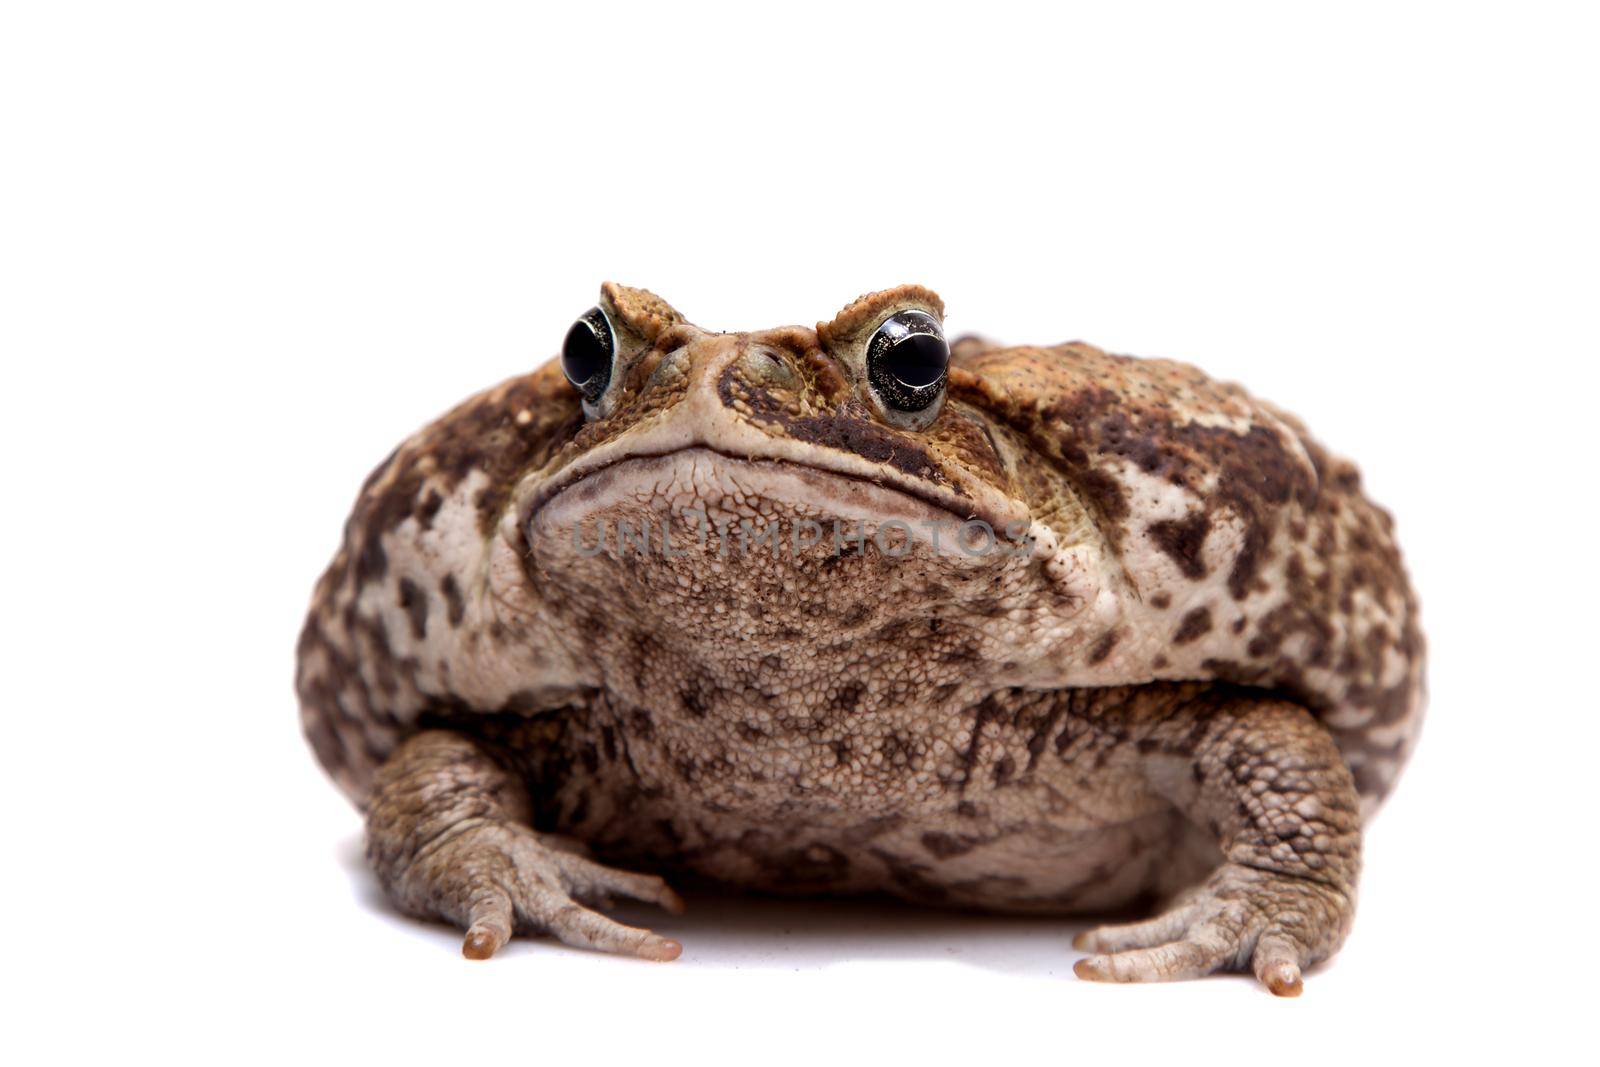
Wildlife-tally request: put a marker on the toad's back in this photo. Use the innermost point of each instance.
(1240, 548)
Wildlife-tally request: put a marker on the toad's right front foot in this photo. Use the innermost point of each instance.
(445, 846)
(496, 878)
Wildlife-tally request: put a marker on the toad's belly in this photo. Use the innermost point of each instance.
(1027, 869)
(1009, 804)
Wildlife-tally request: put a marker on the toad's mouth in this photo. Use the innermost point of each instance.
(803, 483)
(729, 489)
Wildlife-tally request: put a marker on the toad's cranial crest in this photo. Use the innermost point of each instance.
(851, 609)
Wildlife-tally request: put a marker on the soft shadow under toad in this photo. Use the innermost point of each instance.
(766, 933)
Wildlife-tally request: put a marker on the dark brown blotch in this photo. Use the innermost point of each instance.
(1195, 624)
(455, 606)
(943, 845)
(849, 697)
(414, 602)
(1102, 648)
(1182, 540)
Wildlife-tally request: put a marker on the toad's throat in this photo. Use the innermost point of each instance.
(718, 557)
(806, 577)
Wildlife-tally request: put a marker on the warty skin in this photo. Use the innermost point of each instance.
(1187, 674)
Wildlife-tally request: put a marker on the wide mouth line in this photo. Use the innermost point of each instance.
(564, 482)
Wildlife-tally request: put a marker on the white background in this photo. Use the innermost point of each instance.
(247, 248)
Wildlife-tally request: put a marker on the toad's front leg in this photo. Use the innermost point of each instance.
(448, 834)
(1266, 778)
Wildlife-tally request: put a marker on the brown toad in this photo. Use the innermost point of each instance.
(850, 610)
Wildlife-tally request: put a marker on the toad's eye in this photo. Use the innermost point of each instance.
(586, 354)
(907, 360)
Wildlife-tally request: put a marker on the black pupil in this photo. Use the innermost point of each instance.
(586, 355)
(917, 359)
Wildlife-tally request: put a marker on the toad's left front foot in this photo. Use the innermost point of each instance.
(1266, 778)
(1240, 918)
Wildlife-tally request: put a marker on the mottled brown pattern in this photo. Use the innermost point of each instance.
(353, 696)
(1202, 667)
(1100, 416)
